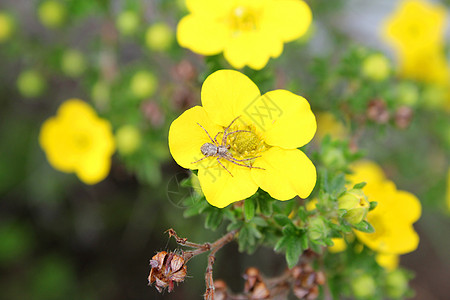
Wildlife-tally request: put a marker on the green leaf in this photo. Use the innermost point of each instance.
(282, 220)
(302, 213)
(282, 243)
(373, 204)
(293, 251)
(359, 185)
(249, 209)
(304, 241)
(364, 226)
(213, 219)
(260, 222)
(265, 206)
(235, 225)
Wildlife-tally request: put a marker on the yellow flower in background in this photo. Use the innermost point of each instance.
(248, 32)
(327, 123)
(6, 26)
(77, 141)
(262, 134)
(394, 215)
(339, 245)
(388, 261)
(416, 26)
(416, 32)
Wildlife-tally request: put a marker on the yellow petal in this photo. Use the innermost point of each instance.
(288, 19)
(339, 245)
(286, 119)
(222, 189)
(93, 168)
(387, 261)
(253, 49)
(286, 173)
(366, 171)
(202, 35)
(186, 136)
(225, 95)
(76, 110)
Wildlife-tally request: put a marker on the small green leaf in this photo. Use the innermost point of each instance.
(373, 204)
(260, 222)
(213, 219)
(360, 185)
(282, 220)
(293, 251)
(364, 226)
(302, 213)
(304, 241)
(282, 243)
(249, 208)
(233, 226)
(265, 206)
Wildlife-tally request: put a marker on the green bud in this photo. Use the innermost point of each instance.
(376, 67)
(356, 204)
(407, 94)
(159, 37)
(363, 286)
(128, 139)
(128, 22)
(73, 63)
(31, 84)
(143, 84)
(52, 13)
(317, 229)
(396, 284)
(333, 158)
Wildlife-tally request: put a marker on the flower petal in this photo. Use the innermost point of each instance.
(93, 169)
(286, 173)
(225, 95)
(186, 136)
(253, 49)
(285, 119)
(222, 189)
(288, 19)
(202, 35)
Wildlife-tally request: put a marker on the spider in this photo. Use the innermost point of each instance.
(219, 151)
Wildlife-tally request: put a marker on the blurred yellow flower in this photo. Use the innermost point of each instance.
(248, 32)
(416, 26)
(376, 67)
(387, 261)
(327, 123)
(77, 141)
(6, 26)
(159, 37)
(339, 245)
(416, 31)
(394, 215)
(52, 13)
(262, 134)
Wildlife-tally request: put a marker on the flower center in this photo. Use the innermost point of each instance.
(246, 144)
(243, 19)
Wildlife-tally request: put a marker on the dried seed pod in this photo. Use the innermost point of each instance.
(403, 116)
(221, 292)
(377, 111)
(306, 281)
(167, 268)
(254, 284)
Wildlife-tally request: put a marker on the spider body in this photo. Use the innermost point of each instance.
(220, 151)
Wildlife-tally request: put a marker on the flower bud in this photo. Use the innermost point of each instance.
(52, 13)
(128, 139)
(31, 84)
(73, 63)
(143, 84)
(6, 26)
(317, 229)
(356, 204)
(127, 22)
(363, 286)
(159, 37)
(376, 67)
(396, 284)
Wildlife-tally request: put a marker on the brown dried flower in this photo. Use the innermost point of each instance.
(254, 284)
(306, 282)
(167, 268)
(377, 111)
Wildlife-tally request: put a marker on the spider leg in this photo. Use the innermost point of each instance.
(218, 160)
(245, 159)
(215, 138)
(243, 165)
(200, 159)
(225, 134)
(207, 133)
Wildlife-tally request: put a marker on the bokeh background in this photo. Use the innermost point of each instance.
(63, 239)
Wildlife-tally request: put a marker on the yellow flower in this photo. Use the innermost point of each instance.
(387, 261)
(327, 123)
(248, 32)
(77, 141)
(6, 26)
(394, 215)
(339, 245)
(416, 26)
(264, 135)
